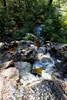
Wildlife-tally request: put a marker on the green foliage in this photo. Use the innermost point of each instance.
(20, 34)
(19, 18)
(55, 38)
(29, 36)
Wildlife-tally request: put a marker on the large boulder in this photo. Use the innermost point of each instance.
(10, 73)
(2, 80)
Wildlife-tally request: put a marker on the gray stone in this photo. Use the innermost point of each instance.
(23, 67)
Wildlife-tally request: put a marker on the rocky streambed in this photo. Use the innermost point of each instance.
(31, 71)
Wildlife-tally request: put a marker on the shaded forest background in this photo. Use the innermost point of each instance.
(19, 17)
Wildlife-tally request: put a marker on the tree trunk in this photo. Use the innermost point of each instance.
(19, 3)
(4, 2)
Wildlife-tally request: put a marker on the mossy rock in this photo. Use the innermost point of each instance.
(38, 71)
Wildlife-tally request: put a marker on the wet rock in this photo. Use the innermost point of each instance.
(58, 75)
(43, 69)
(16, 56)
(38, 65)
(1, 45)
(6, 46)
(38, 71)
(37, 43)
(64, 68)
(14, 43)
(46, 76)
(64, 85)
(33, 47)
(65, 55)
(11, 73)
(58, 64)
(41, 50)
(30, 59)
(27, 53)
(25, 43)
(28, 56)
(59, 46)
(9, 55)
(44, 58)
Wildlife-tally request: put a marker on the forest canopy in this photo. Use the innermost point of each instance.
(19, 17)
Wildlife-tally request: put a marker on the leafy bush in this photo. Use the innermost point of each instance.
(19, 19)
(20, 34)
(29, 36)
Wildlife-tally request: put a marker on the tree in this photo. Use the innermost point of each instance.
(4, 2)
(19, 3)
(50, 2)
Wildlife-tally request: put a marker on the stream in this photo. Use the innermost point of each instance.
(33, 70)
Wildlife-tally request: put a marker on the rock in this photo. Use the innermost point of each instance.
(48, 49)
(30, 59)
(8, 64)
(58, 66)
(65, 68)
(38, 65)
(65, 54)
(60, 46)
(28, 79)
(14, 43)
(11, 73)
(37, 30)
(23, 67)
(45, 90)
(2, 80)
(25, 43)
(28, 52)
(44, 58)
(10, 91)
(9, 55)
(38, 71)
(28, 56)
(1, 45)
(64, 85)
(25, 73)
(33, 47)
(42, 50)
(46, 76)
